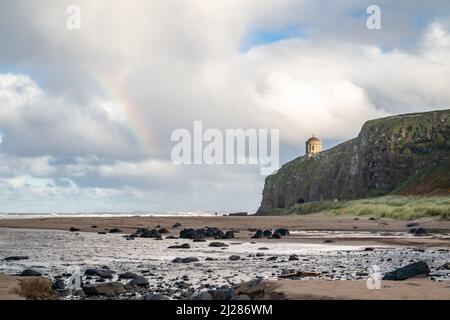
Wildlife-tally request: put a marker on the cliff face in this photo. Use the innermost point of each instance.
(390, 155)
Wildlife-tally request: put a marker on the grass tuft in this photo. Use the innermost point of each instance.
(395, 207)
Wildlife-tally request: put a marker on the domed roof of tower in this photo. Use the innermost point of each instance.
(313, 139)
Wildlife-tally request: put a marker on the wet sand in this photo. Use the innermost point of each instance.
(412, 289)
(341, 263)
(247, 225)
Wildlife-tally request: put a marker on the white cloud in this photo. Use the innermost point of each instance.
(149, 67)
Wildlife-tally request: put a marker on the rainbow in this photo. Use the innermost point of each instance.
(133, 119)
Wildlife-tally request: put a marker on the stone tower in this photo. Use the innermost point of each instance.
(313, 146)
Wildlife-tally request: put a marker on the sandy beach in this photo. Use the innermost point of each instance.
(247, 225)
(322, 257)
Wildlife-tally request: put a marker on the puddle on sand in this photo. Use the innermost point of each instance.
(55, 252)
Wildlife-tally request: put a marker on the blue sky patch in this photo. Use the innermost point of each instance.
(262, 37)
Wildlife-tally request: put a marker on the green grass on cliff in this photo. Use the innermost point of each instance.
(395, 207)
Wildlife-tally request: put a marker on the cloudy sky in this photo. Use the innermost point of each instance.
(86, 115)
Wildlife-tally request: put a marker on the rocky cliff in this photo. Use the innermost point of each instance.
(399, 154)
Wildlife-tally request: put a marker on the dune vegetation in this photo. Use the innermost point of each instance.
(395, 207)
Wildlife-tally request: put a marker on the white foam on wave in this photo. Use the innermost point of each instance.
(110, 214)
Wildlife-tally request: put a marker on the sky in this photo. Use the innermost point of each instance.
(86, 115)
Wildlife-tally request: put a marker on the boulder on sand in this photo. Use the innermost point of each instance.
(181, 246)
(267, 234)
(185, 260)
(293, 257)
(102, 273)
(153, 233)
(139, 281)
(229, 235)
(415, 269)
(218, 244)
(418, 232)
(258, 235)
(109, 289)
(58, 284)
(282, 231)
(30, 273)
(128, 275)
(16, 258)
(192, 234)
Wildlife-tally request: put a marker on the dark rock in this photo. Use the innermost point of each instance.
(229, 235)
(30, 273)
(128, 275)
(412, 224)
(153, 233)
(199, 240)
(192, 234)
(176, 225)
(141, 231)
(163, 231)
(72, 229)
(267, 234)
(185, 260)
(258, 235)
(16, 258)
(263, 248)
(235, 257)
(101, 232)
(139, 281)
(276, 235)
(218, 244)
(102, 273)
(58, 284)
(94, 227)
(418, 232)
(293, 257)
(181, 246)
(109, 289)
(282, 231)
(328, 241)
(420, 268)
(215, 233)
(115, 230)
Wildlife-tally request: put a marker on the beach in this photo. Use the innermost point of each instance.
(320, 253)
